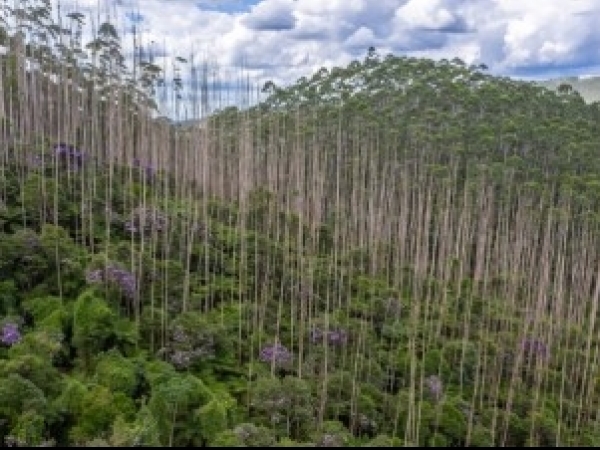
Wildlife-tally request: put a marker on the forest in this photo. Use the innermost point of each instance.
(398, 252)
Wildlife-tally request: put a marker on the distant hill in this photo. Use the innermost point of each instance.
(588, 87)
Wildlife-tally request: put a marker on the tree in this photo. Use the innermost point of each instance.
(93, 325)
(286, 405)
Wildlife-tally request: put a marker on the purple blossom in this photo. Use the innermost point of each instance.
(123, 279)
(10, 334)
(185, 348)
(336, 336)
(149, 170)
(316, 335)
(275, 353)
(184, 358)
(94, 276)
(61, 149)
(434, 386)
(534, 348)
(77, 156)
(69, 153)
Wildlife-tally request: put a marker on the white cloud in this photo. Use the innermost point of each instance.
(271, 15)
(285, 39)
(361, 38)
(426, 14)
(548, 35)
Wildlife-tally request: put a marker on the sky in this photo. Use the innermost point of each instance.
(282, 40)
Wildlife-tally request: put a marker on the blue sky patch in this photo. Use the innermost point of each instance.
(134, 17)
(227, 6)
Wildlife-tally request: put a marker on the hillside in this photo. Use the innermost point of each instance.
(588, 87)
(399, 252)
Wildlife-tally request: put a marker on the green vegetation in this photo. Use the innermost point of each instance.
(587, 87)
(397, 253)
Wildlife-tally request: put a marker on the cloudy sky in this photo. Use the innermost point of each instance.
(281, 40)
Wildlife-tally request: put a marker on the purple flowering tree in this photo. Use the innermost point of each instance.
(10, 334)
(434, 386)
(186, 347)
(147, 169)
(69, 155)
(535, 348)
(275, 353)
(333, 337)
(121, 278)
(192, 340)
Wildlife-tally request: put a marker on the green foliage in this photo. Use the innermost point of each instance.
(333, 434)
(93, 325)
(32, 360)
(452, 423)
(286, 405)
(29, 429)
(143, 431)
(245, 435)
(41, 308)
(116, 373)
(8, 294)
(18, 394)
(99, 409)
(481, 437)
(213, 419)
(171, 402)
(70, 399)
(383, 440)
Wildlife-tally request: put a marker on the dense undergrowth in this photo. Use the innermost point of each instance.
(397, 253)
(105, 350)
